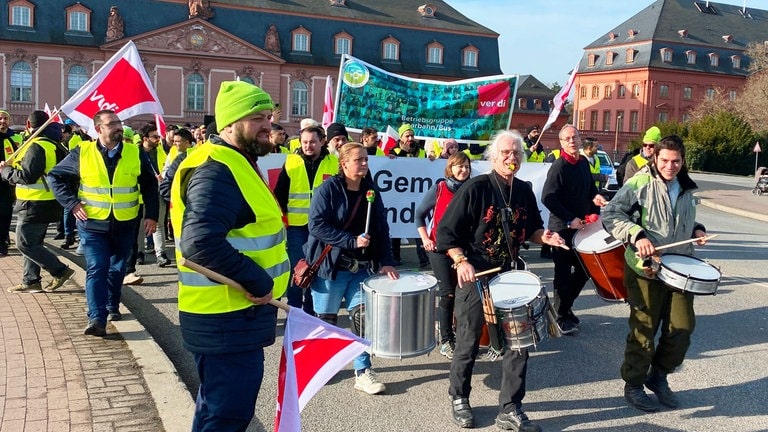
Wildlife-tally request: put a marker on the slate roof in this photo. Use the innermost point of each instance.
(368, 21)
(658, 26)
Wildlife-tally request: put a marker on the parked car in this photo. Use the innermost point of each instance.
(607, 168)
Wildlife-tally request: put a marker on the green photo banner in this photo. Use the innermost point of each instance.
(469, 110)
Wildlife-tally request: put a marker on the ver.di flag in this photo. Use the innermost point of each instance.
(313, 352)
(389, 140)
(121, 85)
(560, 98)
(328, 103)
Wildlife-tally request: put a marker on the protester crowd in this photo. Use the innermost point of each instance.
(195, 192)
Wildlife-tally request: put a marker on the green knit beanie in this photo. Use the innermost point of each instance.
(239, 99)
(404, 128)
(652, 136)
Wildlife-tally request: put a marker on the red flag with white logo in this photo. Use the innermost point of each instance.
(328, 111)
(313, 352)
(389, 140)
(121, 85)
(160, 125)
(561, 98)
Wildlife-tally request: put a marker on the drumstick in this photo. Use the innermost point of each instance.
(487, 272)
(225, 280)
(369, 196)
(667, 246)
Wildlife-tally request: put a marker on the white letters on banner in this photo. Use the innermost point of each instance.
(402, 183)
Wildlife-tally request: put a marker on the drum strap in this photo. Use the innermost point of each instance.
(513, 251)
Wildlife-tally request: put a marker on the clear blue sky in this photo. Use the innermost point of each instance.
(545, 38)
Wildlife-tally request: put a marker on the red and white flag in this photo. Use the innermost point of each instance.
(389, 139)
(54, 118)
(328, 111)
(57, 117)
(160, 125)
(561, 98)
(313, 352)
(121, 85)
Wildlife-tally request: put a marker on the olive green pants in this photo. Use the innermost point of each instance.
(654, 305)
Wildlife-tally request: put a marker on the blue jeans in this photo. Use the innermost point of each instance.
(106, 254)
(69, 224)
(327, 295)
(229, 386)
(297, 297)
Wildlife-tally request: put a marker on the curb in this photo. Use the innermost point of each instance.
(709, 202)
(171, 397)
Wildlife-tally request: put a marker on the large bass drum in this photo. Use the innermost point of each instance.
(400, 314)
(603, 258)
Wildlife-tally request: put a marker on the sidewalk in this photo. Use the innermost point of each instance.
(52, 378)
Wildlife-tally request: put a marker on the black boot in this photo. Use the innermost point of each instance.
(68, 242)
(636, 397)
(462, 412)
(657, 383)
(516, 421)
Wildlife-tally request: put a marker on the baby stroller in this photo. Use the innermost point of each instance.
(761, 179)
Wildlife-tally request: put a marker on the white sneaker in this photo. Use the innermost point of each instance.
(368, 382)
(132, 279)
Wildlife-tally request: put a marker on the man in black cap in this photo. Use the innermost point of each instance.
(337, 136)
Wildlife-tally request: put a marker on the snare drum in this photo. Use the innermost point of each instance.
(400, 314)
(688, 274)
(603, 260)
(521, 304)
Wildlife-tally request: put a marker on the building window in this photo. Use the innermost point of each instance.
(22, 14)
(469, 57)
(299, 99)
(78, 21)
(620, 121)
(710, 94)
(76, 78)
(690, 56)
(608, 90)
(595, 92)
(714, 59)
(343, 44)
(736, 62)
(582, 120)
(664, 91)
(630, 55)
(666, 55)
(301, 39)
(732, 95)
(622, 90)
(522, 103)
(633, 121)
(537, 104)
(583, 92)
(591, 59)
(609, 57)
(606, 120)
(435, 53)
(21, 82)
(593, 120)
(390, 49)
(635, 90)
(663, 116)
(195, 92)
(687, 93)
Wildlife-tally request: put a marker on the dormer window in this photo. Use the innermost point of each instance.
(339, 3)
(390, 49)
(78, 18)
(683, 33)
(690, 56)
(591, 59)
(427, 10)
(666, 55)
(612, 36)
(301, 40)
(21, 13)
(469, 56)
(630, 55)
(435, 53)
(736, 61)
(522, 103)
(609, 56)
(714, 59)
(728, 38)
(631, 33)
(342, 43)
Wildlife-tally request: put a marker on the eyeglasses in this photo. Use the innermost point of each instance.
(649, 145)
(116, 123)
(505, 153)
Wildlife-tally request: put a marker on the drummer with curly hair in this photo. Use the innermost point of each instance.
(485, 224)
(654, 208)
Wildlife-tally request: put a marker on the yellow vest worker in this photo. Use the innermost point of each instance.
(40, 190)
(263, 240)
(299, 191)
(102, 195)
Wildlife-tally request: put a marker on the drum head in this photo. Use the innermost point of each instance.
(513, 289)
(408, 282)
(689, 266)
(593, 238)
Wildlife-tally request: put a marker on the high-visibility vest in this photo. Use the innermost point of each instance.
(74, 141)
(640, 160)
(41, 189)
(594, 169)
(102, 195)
(555, 153)
(398, 150)
(262, 240)
(299, 191)
(473, 156)
(10, 144)
(294, 144)
(536, 157)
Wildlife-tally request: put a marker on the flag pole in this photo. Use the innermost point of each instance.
(218, 277)
(38, 130)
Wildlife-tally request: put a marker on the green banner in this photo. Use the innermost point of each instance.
(469, 110)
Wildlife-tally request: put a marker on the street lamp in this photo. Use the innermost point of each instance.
(616, 138)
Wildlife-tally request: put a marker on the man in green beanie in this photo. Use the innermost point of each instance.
(227, 220)
(651, 138)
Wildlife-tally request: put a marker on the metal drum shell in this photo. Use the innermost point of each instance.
(523, 319)
(400, 314)
(704, 281)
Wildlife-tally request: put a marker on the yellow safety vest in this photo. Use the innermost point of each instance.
(536, 157)
(640, 160)
(263, 240)
(103, 196)
(594, 169)
(74, 141)
(161, 156)
(11, 144)
(398, 150)
(41, 189)
(294, 144)
(556, 153)
(299, 192)
(473, 156)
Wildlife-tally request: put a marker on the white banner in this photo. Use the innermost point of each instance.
(402, 183)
